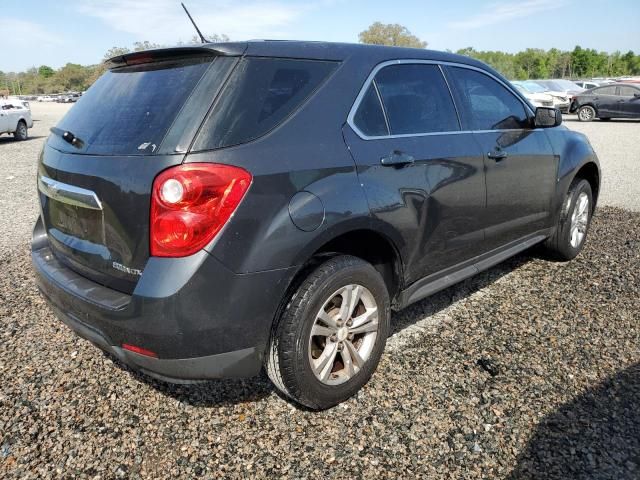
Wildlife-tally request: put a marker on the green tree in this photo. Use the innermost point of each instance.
(390, 34)
(72, 77)
(45, 71)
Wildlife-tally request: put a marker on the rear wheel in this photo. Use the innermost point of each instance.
(586, 113)
(573, 224)
(21, 132)
(332, 333)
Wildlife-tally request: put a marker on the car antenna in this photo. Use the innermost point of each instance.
(204, 40)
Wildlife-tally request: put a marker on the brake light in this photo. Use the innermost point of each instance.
(191, 203)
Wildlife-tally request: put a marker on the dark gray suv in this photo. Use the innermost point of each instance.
(207, 211)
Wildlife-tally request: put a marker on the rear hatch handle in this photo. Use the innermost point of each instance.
(69, 194)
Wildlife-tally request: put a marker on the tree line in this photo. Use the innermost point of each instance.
(530, 63)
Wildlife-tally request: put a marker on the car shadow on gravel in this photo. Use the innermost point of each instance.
(211, 393)
(4, 140)
(216, 393)
(597, 435)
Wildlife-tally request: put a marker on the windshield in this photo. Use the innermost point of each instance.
(533, 87)
(568, 85)
(129, 110)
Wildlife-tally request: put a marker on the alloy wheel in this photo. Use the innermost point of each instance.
(343, 334)
(586, 114)
(579, 220)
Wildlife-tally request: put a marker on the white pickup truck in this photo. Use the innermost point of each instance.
(15, 118)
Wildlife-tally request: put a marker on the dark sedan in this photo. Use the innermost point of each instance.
(621, 100)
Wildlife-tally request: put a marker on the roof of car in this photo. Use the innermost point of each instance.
(312, 50)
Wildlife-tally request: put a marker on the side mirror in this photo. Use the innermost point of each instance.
(547, 117)
(636, 95)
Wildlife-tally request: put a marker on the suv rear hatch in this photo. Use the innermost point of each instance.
(97, 168)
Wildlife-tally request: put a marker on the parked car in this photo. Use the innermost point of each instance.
(15, 119)
(535, 93)
(563, 90)
(587, 84)
(269, 203)
(19, 101)
(620, 100)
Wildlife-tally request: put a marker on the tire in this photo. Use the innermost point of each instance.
(573, 222)
(21, 132)
(586, 113)
(312, 370)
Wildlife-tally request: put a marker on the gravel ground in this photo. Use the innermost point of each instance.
(616, 143)
(529, 370)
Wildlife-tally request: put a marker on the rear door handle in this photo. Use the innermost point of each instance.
(497, 155)
(397, 158)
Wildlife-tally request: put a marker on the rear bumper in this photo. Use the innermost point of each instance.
(200, 319)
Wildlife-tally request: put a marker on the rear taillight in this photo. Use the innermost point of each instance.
(190, 203)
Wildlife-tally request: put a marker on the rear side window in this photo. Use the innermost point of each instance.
(129, 110)
(259, 95)
(369, 117)
(416, 99)
(485, 103)
(605, 91)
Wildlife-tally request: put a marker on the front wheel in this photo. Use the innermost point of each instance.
(586, 113)
(21, 132)
(573, 223)
(331, 335)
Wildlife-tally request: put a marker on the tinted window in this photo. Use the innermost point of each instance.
(416, 99)
(260, 94)
(628, 91)
(485, 103)
(605, 91)
(370, 118)
(129, 110)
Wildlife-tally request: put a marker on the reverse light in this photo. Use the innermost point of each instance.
(191, 203)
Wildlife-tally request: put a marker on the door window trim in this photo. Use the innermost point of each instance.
(371, 79)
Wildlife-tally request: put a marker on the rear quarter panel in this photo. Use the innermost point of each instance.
(306, 153)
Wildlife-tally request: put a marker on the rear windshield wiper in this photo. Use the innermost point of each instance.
(68, 137)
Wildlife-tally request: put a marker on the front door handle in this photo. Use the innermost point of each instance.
(397, 158)
(497, 155)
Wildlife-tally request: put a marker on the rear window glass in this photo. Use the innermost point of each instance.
(129, 110)
(259, 95)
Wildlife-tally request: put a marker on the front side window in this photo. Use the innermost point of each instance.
(485, 103)
(628, 91)
(416, 99)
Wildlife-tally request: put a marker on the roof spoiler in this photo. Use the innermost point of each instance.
(157, 55)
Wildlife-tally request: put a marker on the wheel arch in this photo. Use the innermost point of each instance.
(588, 104)
(590, 172)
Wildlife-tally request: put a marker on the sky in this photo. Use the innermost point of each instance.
(55, 32)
